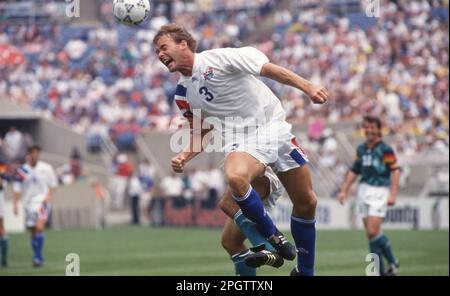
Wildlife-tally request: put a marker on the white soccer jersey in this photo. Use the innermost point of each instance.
(224, 84)
(34, 182)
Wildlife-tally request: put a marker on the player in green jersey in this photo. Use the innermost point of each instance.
(376, 163)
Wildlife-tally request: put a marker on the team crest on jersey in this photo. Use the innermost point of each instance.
(209, 74)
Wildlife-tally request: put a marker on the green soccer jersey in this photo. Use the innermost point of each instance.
(375, 164)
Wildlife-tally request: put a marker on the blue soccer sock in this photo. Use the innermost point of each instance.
(4, 250)
(239, 265)
(248, 228)
(304, 233)
(375, 247)
(386, 249)
(37, 244)
(252, 207)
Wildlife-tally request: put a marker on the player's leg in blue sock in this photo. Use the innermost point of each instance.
(298, 185)
(304, 233)
(375, 247)
(34, 247)
(233, 243)
(252, 207)
(39, 237)
(4, 250)
(386, 248)
(239, 265)
(248, 228)
(240, 169)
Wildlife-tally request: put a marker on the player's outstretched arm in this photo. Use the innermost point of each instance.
(318, 94)
(349, 179)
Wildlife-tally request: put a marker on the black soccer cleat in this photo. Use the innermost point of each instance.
(262, 257)
(295, 272)
(393, 269)
(282, 245)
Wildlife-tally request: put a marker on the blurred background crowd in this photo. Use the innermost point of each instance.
(105, 81)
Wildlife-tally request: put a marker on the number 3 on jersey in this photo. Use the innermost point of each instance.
(204, 91)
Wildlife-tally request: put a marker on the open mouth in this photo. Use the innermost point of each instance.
(167, 61)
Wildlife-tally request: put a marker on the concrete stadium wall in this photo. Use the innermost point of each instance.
(408, 214)
(73, 206)
(159, 145)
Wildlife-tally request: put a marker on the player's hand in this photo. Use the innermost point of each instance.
(318, 94)
(46, 200)
(178, 163)
(391, 200)
(15, 209)
(341, 197)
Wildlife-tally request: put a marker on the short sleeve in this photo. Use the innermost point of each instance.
(181, 101)
(246, 59)
(390, 159)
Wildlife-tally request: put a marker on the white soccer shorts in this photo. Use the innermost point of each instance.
(372, 200)
(276, 189)
(34, 212)
(273, 145)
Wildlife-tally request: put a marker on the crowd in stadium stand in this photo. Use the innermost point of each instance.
(106, 81)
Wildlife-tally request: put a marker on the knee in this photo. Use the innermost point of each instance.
(307, 202)
(372, 231)
(238, 184)
(39, 228)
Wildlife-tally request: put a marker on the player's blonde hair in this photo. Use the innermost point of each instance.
(178, 34)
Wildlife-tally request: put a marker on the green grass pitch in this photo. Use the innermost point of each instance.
(144, 250)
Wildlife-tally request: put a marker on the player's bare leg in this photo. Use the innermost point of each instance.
(240, 170)
(372, 225)
(298, 185)
(232, 238)
(229, 206)
(3, 245)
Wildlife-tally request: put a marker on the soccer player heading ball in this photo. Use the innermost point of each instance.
(222, 83)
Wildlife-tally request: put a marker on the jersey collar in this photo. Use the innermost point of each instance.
(374, 146)
(195, 68)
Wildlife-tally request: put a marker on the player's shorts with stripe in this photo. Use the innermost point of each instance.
(372, 200)
(2, 204)
(272, 144)
(35, 211)
(276, 189)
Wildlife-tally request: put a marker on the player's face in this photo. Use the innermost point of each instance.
(371, 131)
(34, 156)
(168, 52)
